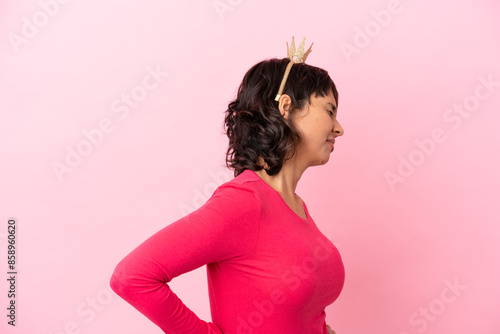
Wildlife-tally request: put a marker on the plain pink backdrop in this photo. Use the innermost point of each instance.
(410, 195)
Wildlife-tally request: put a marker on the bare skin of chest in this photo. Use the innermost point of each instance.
(296, 205)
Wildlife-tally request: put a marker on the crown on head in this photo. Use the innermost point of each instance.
(299, 54)
(295, 56)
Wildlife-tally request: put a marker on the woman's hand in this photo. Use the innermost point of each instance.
(330, 331)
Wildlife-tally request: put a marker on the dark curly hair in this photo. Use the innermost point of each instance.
(253, 122)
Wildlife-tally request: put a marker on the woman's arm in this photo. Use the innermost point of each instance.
(225, 226)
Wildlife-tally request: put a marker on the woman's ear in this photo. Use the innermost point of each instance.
(284, 105)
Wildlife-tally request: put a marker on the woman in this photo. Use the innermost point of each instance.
(270, 270)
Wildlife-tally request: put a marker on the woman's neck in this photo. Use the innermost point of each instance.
(285, 182)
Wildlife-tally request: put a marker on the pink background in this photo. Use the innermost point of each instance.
(410, 195)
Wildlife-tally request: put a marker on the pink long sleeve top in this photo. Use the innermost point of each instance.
(269, 270)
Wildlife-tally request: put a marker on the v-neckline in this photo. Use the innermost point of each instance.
(284, 202)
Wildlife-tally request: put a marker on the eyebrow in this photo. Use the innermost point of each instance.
(331, 105)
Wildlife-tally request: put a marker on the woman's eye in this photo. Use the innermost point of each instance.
(330, 112)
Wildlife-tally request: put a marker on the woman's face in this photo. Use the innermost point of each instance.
(318, 125)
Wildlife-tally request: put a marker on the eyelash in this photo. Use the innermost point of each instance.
(330, 112)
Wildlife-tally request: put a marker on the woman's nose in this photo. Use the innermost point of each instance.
(337, 129)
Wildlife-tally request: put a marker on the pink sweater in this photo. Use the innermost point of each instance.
(269, 270)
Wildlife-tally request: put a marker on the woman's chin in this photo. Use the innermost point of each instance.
(322, 161)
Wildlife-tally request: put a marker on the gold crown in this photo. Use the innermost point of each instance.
(295, 56)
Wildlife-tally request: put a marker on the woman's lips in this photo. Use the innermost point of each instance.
(331, 142)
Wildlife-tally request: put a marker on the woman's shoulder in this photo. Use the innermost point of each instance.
(238, 195)
(246, 177)
(241, 185)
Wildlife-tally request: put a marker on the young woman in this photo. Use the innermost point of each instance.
(270, 270)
